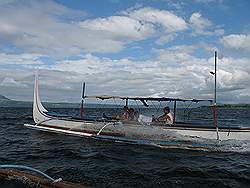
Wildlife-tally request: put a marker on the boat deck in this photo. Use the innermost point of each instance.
(176, 124)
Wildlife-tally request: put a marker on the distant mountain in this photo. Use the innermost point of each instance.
(5, 102)
(3, 98)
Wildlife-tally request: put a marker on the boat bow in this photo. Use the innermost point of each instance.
(38, 109)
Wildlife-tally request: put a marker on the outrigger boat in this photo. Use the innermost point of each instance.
(154, 133)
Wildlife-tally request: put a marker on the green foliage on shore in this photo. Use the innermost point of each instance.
(234, 105)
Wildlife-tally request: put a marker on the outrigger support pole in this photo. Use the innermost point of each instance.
(174, 111)
(126, 102)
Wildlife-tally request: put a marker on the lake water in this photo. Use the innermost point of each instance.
(107, 164)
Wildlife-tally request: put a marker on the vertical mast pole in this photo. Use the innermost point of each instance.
(215, 76)
(81, 109)
(215, 81)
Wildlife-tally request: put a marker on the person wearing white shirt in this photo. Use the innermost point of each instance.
(167, 117)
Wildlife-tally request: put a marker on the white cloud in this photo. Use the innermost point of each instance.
(204, 1)
(11, 82)
(174, 56)
(45, 28)
(177, 73)
(20, 59)
(167, 25)
(169, 21)
(237, 41)
(90, 64)
(49, 28)
(219, 2)
(202, 26)
(233, 73)
(177, 67)
(121, 27)
(138, 24)
(199, 23)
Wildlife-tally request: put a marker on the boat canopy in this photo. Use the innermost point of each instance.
(158, 99)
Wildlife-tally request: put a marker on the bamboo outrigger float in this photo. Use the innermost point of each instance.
(20, 176)
(132, 131)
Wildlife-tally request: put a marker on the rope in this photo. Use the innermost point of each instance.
(139, 110)
(154, 106)
(159, 107)
(187, 112)
(103, 128)
(39, 123)
(33, 170)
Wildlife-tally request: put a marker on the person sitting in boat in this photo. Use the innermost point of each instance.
(166, 117)
(136, 115)
(125, 115)
(131, 114)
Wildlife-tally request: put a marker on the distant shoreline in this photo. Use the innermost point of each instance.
(6, 102)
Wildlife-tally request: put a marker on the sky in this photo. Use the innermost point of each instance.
(125, 47)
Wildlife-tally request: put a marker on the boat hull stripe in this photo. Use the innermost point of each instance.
(79, 130)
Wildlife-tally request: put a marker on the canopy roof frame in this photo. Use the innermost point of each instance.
(158, 99)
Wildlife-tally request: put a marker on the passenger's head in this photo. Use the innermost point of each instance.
(125, 108)
(166, 109)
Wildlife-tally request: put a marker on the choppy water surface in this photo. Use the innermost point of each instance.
(107, 164)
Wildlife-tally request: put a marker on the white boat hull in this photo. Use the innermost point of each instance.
(86, 128)
(224, 134)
